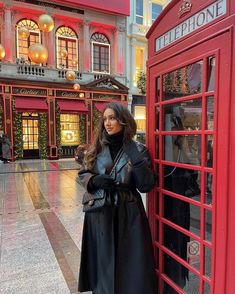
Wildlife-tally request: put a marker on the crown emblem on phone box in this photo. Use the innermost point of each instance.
(185, 7)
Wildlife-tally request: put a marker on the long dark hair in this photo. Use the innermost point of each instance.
(125, 118)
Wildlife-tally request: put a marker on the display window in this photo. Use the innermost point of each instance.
(30, 131)
(70, 134)
(140, 118)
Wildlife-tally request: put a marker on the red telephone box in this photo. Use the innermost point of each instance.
(191, 136)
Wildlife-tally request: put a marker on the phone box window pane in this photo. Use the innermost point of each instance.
(183, 149)
(182, 181)
(185, 115)
(180, 275)
(182, 214)
(183, 81)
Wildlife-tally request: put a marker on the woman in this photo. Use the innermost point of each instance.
(117, 254)
(6, 148)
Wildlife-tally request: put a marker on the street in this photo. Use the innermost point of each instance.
(41, 222)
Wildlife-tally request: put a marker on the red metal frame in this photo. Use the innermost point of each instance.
(215, 41)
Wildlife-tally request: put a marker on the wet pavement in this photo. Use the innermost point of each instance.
(40, 227)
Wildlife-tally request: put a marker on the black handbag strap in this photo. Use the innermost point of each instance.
(116, 160)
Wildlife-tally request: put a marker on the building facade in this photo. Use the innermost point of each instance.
(142, 15)
(61, 63)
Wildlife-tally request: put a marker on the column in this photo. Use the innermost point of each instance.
(49, 42)
(86, 46)
(115, 53)
(8, 118)
(50, 45)
(119, 49)
(8, 40)
(52, 127)
(133, 63)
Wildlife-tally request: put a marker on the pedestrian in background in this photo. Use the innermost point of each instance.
(117, 253)
(1, 133)
(6, 149)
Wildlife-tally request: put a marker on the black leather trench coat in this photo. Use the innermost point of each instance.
(117, 254)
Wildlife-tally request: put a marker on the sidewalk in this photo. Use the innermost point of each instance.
(40, 227)
(38, 165)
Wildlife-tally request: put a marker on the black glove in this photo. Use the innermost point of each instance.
(133, 153)
(102, 182)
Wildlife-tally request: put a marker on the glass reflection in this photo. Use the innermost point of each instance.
(157, 230)
(157, 89)
(180, 275)
(207, 269)
(208, 225)
(186, 115)
(182, 214)
(183, 81)
(157, 118)
(157, 203)
(209, 151)
(157, 147)
(183, 246)
(156, 255)
(208, 190)
(168, 289)
(206, 288)
(182, 181)
(183, 149)
(210, 112)
(211, 74)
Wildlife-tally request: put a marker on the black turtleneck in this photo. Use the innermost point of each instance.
(115, 143)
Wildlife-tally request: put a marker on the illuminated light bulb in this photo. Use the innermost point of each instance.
(2, 52)
(23, 32)
(70, 75)
(76, 87)
(45, 23)
(38, 53)
(63, 53)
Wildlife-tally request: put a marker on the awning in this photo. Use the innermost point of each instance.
(100, 106)
(72, 106)
(30, 104)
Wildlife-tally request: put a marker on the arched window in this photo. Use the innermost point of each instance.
(23, 41)
(66, 48)
(100, 50)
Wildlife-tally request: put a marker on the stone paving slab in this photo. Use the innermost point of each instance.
(41, 224)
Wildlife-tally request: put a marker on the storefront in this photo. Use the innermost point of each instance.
(191, 136)
(45, 122)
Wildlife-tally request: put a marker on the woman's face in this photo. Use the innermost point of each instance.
(111, 124)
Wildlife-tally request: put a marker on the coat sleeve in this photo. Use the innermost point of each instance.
(84, 177)
(143, 172)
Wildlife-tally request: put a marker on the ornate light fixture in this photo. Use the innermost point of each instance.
(45, 23)
(70, 75)
(2, 52)
(23, 32)
(63, 53)
(76, 87)
(74, 62)
(38, 53)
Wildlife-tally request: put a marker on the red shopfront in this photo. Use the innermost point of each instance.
(190, 99)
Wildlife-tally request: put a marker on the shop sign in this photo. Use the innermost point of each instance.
(29, 91)
(193, 23)
(106, 97)
(67, 94)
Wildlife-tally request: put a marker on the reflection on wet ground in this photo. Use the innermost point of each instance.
(40, 225)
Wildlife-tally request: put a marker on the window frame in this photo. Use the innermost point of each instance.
(67, 39)
(31, 32)
(100, 44)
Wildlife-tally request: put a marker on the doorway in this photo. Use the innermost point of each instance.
(30, 123)
(188, 112)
